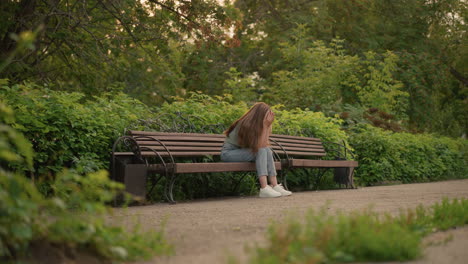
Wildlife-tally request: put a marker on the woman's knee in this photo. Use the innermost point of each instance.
(238, 155)
(266, 150)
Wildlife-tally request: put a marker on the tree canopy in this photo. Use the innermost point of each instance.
(407, 58)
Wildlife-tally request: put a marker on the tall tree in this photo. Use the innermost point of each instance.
(98, 45)
(420, 32)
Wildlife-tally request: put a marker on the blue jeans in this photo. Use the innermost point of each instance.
(263, 158)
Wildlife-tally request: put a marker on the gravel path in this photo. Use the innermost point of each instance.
(208, 231)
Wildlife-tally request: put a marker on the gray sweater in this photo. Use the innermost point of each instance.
(233, 138)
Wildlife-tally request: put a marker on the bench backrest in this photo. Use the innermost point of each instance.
(199, 145)
(294, 146)
(179, 144)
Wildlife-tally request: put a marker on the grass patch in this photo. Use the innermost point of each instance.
(358, 236)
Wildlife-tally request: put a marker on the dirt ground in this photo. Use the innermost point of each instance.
(208, 231)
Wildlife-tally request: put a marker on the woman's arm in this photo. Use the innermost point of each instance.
(267, 127)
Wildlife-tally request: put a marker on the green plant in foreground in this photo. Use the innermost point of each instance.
(26, 216)
(358, 236)
(72, 219)
(450, 214)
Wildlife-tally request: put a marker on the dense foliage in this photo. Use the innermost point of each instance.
(386, 156)
(404, 57)
(68, 130)
(69, 220)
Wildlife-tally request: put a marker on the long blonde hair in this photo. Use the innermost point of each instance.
(250, 126)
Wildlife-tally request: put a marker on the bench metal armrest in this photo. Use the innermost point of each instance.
(161, 143)
(284, 151)
(339, 150)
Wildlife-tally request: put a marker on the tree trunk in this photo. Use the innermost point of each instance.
(25, 8)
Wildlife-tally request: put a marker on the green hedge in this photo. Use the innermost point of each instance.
(67, 129)
(386, 156)
(202, 110)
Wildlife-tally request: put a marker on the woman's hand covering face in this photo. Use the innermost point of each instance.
(269, 117)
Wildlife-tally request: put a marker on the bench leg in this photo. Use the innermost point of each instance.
(283, 173)
(351, 178)
(134, 178)
(170, 180)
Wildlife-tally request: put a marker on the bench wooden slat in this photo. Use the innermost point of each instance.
(214, 153)
(175, 154)
(180, 138)
(306, 163)
(150, 133)
(302, 154)
(153, 133)
(168, 141)
(211, 167)
(218, 137)
(287, 144)
(295, 137)
(187, 148)
(213, 142)
(306, 149)
(184, 143)
(288, 140)
(217, 147)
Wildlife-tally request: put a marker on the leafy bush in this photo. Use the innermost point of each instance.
(201, 111)
(358, 236)
(385, 156)
(28, 218)
(14, 147)
(300, 122)
(19, 208)
(67, 128)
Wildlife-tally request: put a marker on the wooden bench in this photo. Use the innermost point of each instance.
(159, 153)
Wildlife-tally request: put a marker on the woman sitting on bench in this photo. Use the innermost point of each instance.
(247, 139)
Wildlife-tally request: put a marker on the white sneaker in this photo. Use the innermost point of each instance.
(268, 192)
(279, 188)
